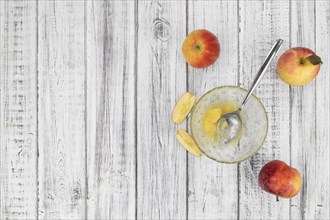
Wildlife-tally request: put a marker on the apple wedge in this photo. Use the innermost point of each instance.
(188, 142)
(183, 107)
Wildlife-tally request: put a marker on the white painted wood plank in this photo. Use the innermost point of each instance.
(213, 186)
(261, 24)
(111, 109)
(302, 100)
(161, 79)
(61, 114)
(18, 110)
(319, 200)
(310, 113)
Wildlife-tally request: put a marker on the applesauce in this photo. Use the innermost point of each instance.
(204, 127)
(211, 117)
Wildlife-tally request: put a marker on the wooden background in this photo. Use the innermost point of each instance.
(86, 94)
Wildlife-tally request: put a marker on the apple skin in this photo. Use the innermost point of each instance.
(294, 68)
(277, 178)
(201, 48)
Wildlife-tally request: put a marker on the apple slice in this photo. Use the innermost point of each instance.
(183, 107)
(188, 142)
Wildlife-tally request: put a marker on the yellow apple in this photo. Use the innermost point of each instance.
(298, 66)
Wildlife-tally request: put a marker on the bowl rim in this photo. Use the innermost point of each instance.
(234, 87)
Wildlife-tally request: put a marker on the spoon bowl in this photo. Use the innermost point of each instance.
(230, 125)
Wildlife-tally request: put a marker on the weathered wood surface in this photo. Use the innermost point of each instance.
(318, 192)
(86, 94)
(302, 104)
(111, 78)
(18, 110)
(61, 110)
(161, 79)
(309, 117)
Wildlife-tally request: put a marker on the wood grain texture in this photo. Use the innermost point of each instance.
(111, 109)
(261, 24)
(161, 80)
(18, 110)
(210, 182)
(303, 104)
(61, 114)
(308, 108)
(320, 208)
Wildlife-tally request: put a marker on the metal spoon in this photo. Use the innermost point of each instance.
(230, 124)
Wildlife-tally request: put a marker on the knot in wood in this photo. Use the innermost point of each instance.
(161, 29)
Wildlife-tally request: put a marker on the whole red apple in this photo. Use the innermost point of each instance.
(298, 66)
(201, 48)
(278, 178)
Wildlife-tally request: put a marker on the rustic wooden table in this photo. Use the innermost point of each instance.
(86, 94)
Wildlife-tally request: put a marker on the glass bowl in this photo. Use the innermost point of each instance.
(254, 125)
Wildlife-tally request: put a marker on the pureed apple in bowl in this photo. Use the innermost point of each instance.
(205, 131)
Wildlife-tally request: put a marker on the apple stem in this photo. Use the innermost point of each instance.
(277, 199)
(303, 60)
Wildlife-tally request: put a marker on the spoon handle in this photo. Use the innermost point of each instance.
(262, 70)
